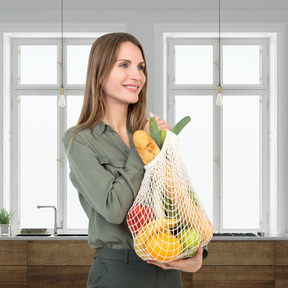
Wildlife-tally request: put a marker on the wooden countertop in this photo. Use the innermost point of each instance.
(283, 237)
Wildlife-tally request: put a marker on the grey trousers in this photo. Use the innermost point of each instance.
(113, 268)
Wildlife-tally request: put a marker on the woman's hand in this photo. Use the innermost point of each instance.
(161, 124)
(186, 265)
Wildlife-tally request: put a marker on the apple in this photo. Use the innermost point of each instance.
(190, 240)
(139, 216)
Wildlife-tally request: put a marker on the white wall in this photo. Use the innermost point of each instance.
(140, 18)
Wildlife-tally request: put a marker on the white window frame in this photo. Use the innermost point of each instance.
(192, 89)
(272, 208)
(45, 89)
(29, 35)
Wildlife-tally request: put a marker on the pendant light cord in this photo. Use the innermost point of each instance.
(62, 101)
(62, 48)
(219, 48)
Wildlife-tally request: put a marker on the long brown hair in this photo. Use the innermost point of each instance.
(102, 58)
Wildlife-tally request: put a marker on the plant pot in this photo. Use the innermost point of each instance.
(5, 230)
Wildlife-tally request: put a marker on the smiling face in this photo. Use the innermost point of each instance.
(127, 77)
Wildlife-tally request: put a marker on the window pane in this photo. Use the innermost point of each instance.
(193, 64)
(241, 64)
(74, 106)
(38, 165)
(77, 60)
(38, 64)
(76, 218)
(196, 144)
(241, 162)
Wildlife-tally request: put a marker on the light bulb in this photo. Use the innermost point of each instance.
(62, 101)
(219, 100)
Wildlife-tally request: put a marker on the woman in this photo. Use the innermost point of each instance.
(106, 169)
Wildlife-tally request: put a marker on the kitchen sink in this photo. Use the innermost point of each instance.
(47, 235)
(33, 235)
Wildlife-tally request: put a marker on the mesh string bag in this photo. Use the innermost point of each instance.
(167, 219)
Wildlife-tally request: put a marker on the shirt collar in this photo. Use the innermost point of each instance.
(99, 128)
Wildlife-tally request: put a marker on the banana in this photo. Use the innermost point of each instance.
(153, 227)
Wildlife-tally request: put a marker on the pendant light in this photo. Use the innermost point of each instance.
(62, 101)
(219, 100)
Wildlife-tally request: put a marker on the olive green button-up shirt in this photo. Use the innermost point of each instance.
(107, 175)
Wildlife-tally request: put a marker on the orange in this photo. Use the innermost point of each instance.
(163, 247)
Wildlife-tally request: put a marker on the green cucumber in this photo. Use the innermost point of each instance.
(170, 209)
(154, 131)
(180, 125)
(162, 135)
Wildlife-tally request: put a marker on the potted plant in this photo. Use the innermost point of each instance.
(5, 218)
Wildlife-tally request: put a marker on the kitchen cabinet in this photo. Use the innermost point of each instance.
(57, 276)
(237, 264)
(58, 263)
(13, 264)
(281, 264)
(44, 264)
(66, 263)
